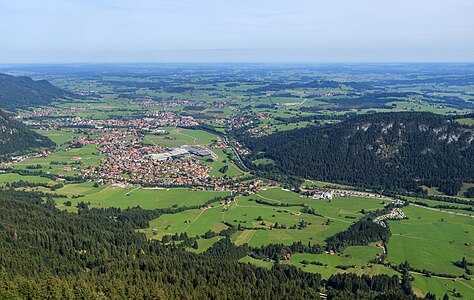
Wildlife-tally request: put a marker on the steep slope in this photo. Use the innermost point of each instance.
(23, 92)
(390, 151)
(16, 137)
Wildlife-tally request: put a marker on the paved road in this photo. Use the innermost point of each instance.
(236, 153)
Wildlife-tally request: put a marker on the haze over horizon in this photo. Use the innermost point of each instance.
(107, 31)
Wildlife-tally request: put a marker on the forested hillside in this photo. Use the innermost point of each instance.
(17, 137)
(24, 92)
(96, 254)
(395, 151)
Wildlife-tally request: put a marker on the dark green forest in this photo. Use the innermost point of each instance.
(23, 92)
(46, 253)
(15, 137)
(386, 151)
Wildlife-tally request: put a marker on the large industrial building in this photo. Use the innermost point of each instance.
(180, 151)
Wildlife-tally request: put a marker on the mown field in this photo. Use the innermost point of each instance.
(341, 213)
(109, 196)
(223, 158)
(13, 177)
(440, 286)
(180, 137)
(431, 240)
(61, 160)
(456, 207)
(412, 239)
(356, 255)
(60, 137)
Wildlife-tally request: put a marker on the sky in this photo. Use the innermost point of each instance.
(272, 31)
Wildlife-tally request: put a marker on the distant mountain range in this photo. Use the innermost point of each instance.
(15, 137)
(395, 151)
(23, 92)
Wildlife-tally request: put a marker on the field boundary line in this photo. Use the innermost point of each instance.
(132, 190)
(268, 198)
(409, 236)
(108, 186)
(202, 211)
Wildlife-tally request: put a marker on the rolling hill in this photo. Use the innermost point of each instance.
(16, 137)
(391, 151)
(24, 92)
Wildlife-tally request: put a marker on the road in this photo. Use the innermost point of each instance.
(224, 139)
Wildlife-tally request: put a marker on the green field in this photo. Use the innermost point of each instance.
(323, 184)
(193, 222)
(440, 286)
(180, 137)
(257, 262)
(73, 158)
(337, 209)
(13, 177)
(109, 196)
(458, 207)
(356, 255)
(245, 211)
(466, 121)
(204, 244)
(60, 137)
(409, 237)
(222, 160)
(431, 240)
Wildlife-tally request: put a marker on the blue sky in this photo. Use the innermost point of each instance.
(60, 31)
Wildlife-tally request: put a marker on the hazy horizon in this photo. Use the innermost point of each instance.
(217, 31)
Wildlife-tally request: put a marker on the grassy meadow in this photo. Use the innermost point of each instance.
(110, 196)
(431, 240)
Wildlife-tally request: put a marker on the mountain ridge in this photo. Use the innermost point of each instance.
(15, 137)
(392, 151)
(23, 92)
